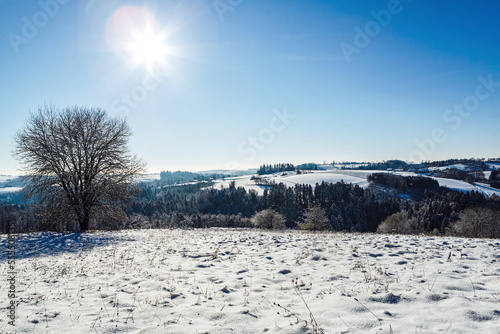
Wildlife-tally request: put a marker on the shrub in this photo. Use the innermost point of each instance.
(268, 219)
(399, 223)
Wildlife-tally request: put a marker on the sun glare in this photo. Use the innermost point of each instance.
(135, 34)
(148, 48)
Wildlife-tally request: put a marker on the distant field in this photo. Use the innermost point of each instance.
(349, 176)
(10, 190)
(240, 281)
(290, 179)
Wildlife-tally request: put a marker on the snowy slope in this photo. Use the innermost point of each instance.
(241, 181)
(487, 190)
(10, 190)
(455, 184)
(466, 187)
(319, 177)
(354, 177)
(457, 166)
(148, 177)
(495, 165)
(4, 178)
(291, 179)
(240, 281)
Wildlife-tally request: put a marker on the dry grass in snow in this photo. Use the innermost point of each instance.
(252, 281)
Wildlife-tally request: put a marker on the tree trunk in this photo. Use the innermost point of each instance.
(84, 220)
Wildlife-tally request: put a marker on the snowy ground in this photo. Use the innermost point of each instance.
(240, 281)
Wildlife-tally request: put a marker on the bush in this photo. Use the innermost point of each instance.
(400, 223)
(268, 219)
(138, 221)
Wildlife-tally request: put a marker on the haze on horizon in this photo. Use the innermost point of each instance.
(235, 84)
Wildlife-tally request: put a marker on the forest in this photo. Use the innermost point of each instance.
(419, 205)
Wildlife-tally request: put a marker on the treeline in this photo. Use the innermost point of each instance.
(340, 207)
(468, 162)
(193, 199)
(347, 207)
(495, 179)
(438, 210)
(178, 220)
(285, 167)
(170, 178)
(402, 183)
(458, 174)
(276, 168)
(308, 166)
(385, 165)
(21, 216)
(448, 213)
(441, 211)
(474, 164)
(14, 182)
(12, 198)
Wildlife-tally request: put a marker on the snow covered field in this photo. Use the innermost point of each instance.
(148, 177)
(10, 190)
(240, 281)
(357, 177)
(457, 166)
(5, 178)
(349, 176)
(291, 179)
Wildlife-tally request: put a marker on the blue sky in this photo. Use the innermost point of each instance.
(239, 83)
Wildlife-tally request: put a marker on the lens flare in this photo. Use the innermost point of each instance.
(134, 34)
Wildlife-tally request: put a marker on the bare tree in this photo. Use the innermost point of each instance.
(77, 163)
(269, 219)
(477, 222)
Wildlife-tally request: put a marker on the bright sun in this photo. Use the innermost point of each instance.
(148, 48)
(135, 34)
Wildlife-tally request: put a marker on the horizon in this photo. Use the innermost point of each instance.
(232, 85)
(195, 171)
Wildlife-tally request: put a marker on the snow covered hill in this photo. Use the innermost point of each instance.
(357, 177)
(252, 281)
(5, 190)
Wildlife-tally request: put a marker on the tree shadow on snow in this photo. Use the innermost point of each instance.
(49, 243)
